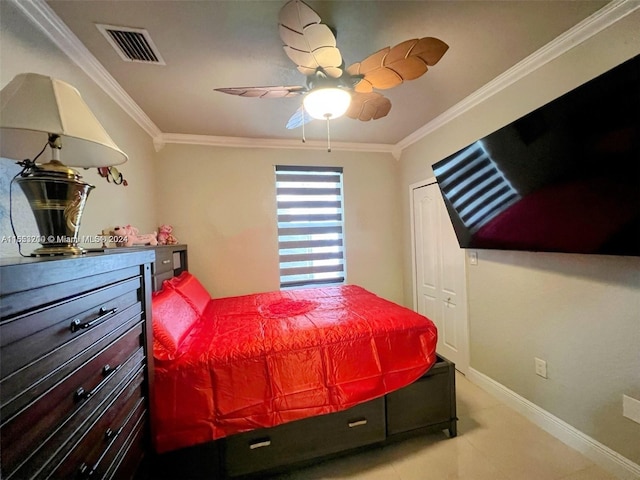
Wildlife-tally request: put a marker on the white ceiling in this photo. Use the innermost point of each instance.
(212, 44)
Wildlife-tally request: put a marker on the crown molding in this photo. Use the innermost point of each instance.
(53, 27)
(606, 16)
(241, 142)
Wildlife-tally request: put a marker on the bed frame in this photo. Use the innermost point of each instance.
(428, 404)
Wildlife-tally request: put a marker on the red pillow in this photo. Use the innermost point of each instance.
(191, 290)
(172, 318)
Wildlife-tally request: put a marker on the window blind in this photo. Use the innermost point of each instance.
(310, 225)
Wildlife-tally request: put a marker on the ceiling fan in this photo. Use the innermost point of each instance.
(331, 89)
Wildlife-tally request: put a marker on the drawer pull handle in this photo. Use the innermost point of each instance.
(83, 471)
(264, 442)
(166, 262)
(110, 436)
(357, 423)
(77, 324)
(87, 472)
(81, 394)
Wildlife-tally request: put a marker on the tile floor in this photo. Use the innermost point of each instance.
(493, 443)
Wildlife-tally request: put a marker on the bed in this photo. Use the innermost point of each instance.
(259, 377)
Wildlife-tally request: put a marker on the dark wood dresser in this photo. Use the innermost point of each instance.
(74, 371)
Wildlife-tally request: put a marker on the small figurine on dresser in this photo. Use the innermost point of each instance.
(128, 236)
(165, 235)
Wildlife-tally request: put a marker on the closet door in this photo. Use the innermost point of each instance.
(440, 279)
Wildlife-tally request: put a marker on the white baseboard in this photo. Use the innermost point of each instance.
(600, 454)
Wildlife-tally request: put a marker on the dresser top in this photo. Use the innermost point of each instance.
(22, 273)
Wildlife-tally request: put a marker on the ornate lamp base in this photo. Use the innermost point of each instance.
(57, 198)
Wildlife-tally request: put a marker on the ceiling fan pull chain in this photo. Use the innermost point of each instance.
(304, 140)
(328, 136)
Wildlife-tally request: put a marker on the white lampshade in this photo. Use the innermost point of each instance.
(327, 102)
(32, 106)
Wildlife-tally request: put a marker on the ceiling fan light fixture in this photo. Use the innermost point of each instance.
(327, 103)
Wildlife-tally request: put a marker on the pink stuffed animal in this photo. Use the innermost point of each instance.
(165, 236)
(128, 236)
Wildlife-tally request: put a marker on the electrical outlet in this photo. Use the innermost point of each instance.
(541, 367)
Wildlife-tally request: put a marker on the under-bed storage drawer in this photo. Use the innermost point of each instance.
(305, 439)
(429, 401)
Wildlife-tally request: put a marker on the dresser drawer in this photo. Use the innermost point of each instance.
(129, 457)
(305, 439)
(28, 428)
(29, 382)
(35, 334)
(96, 451)
(62, 441)
(20, 296)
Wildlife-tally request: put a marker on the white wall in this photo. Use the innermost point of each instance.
(222, 203)
(23, 48)
(580, 313)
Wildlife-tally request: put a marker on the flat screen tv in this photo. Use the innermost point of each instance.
(563, 178)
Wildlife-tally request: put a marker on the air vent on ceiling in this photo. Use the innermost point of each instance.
(132, 44)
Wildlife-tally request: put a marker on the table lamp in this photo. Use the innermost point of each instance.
(35, 109)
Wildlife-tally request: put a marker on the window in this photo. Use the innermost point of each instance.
(310, 225)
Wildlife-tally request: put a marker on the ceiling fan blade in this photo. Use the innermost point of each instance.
(368, 106)
(307, 42)
(264, 92)
(430, 49)
(297, 14)
(300, 117)
(390, 67)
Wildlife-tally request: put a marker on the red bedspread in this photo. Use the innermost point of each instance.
(261, 360)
